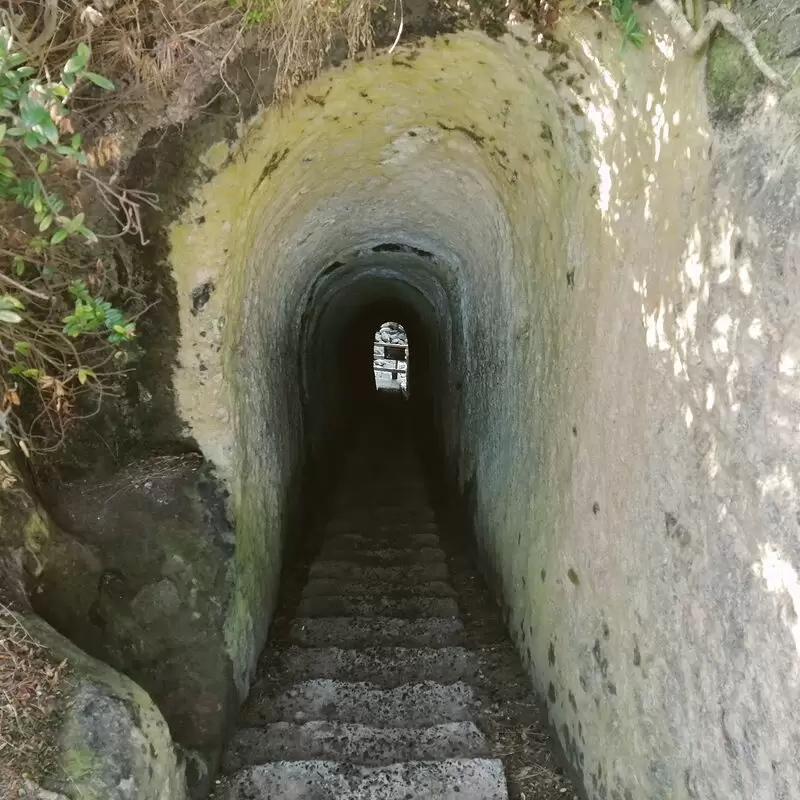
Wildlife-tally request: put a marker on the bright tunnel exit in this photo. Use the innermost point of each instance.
(390, 358)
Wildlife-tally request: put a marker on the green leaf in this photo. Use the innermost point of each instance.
(33, 112)
(9, 301)
(83, 374)
(124, 332)
(32, 141)
(19, 265)
(48, 130)
(32, 373)
(3, 129)
(46, 223)
(99, 80)
(79, 289)
(10, 317)
(43, 165)
(22, 347)
(58, 236)
(77, 139)
(77, 62)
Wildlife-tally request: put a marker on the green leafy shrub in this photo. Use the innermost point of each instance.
(623, 14)
(58, 341)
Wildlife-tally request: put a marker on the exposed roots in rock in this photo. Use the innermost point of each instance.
(695, 40)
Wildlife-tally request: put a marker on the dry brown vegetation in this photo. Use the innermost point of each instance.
(152, 48)
(30, 685)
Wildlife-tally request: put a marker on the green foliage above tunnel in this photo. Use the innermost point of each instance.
(59, 337)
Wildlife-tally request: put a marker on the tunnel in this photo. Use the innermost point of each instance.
(537, 215)
(345, 307)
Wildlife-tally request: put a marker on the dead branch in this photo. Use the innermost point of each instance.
(34, 46)
(22, 288)
(124, 205)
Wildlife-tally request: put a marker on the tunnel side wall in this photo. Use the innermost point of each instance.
(618, 409)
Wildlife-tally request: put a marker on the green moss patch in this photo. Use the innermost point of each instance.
(731, 78)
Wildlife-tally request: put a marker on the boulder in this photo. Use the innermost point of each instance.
(112, 742)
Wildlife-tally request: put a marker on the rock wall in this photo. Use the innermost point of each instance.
(90, 733)
(608, 289)
(135, 570)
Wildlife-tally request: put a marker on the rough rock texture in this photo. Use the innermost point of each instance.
(136, 573)
(736, 530)
(113, 742)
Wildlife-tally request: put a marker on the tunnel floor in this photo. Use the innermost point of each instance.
(388, 673)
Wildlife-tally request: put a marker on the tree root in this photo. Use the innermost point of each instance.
(694, 40)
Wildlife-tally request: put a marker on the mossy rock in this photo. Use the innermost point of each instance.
(112, 741)
(136, 570)
(731, 79)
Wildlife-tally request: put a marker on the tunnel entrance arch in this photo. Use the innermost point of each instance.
(343, 309)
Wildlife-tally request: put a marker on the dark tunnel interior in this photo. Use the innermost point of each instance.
(336, 363)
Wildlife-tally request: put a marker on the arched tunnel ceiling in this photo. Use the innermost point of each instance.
(416, 170)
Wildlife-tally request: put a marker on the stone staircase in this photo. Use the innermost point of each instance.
(372, 686)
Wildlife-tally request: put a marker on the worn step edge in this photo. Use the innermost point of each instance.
(355, 631)
(379, 526)
(391, 510)
(352, 743)
(382, 666)
(382, 555)
(364, 541)
(377, 495)
(377, 606)
(397, 588)
(348, 570)
(453, 779)
(410, 705)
